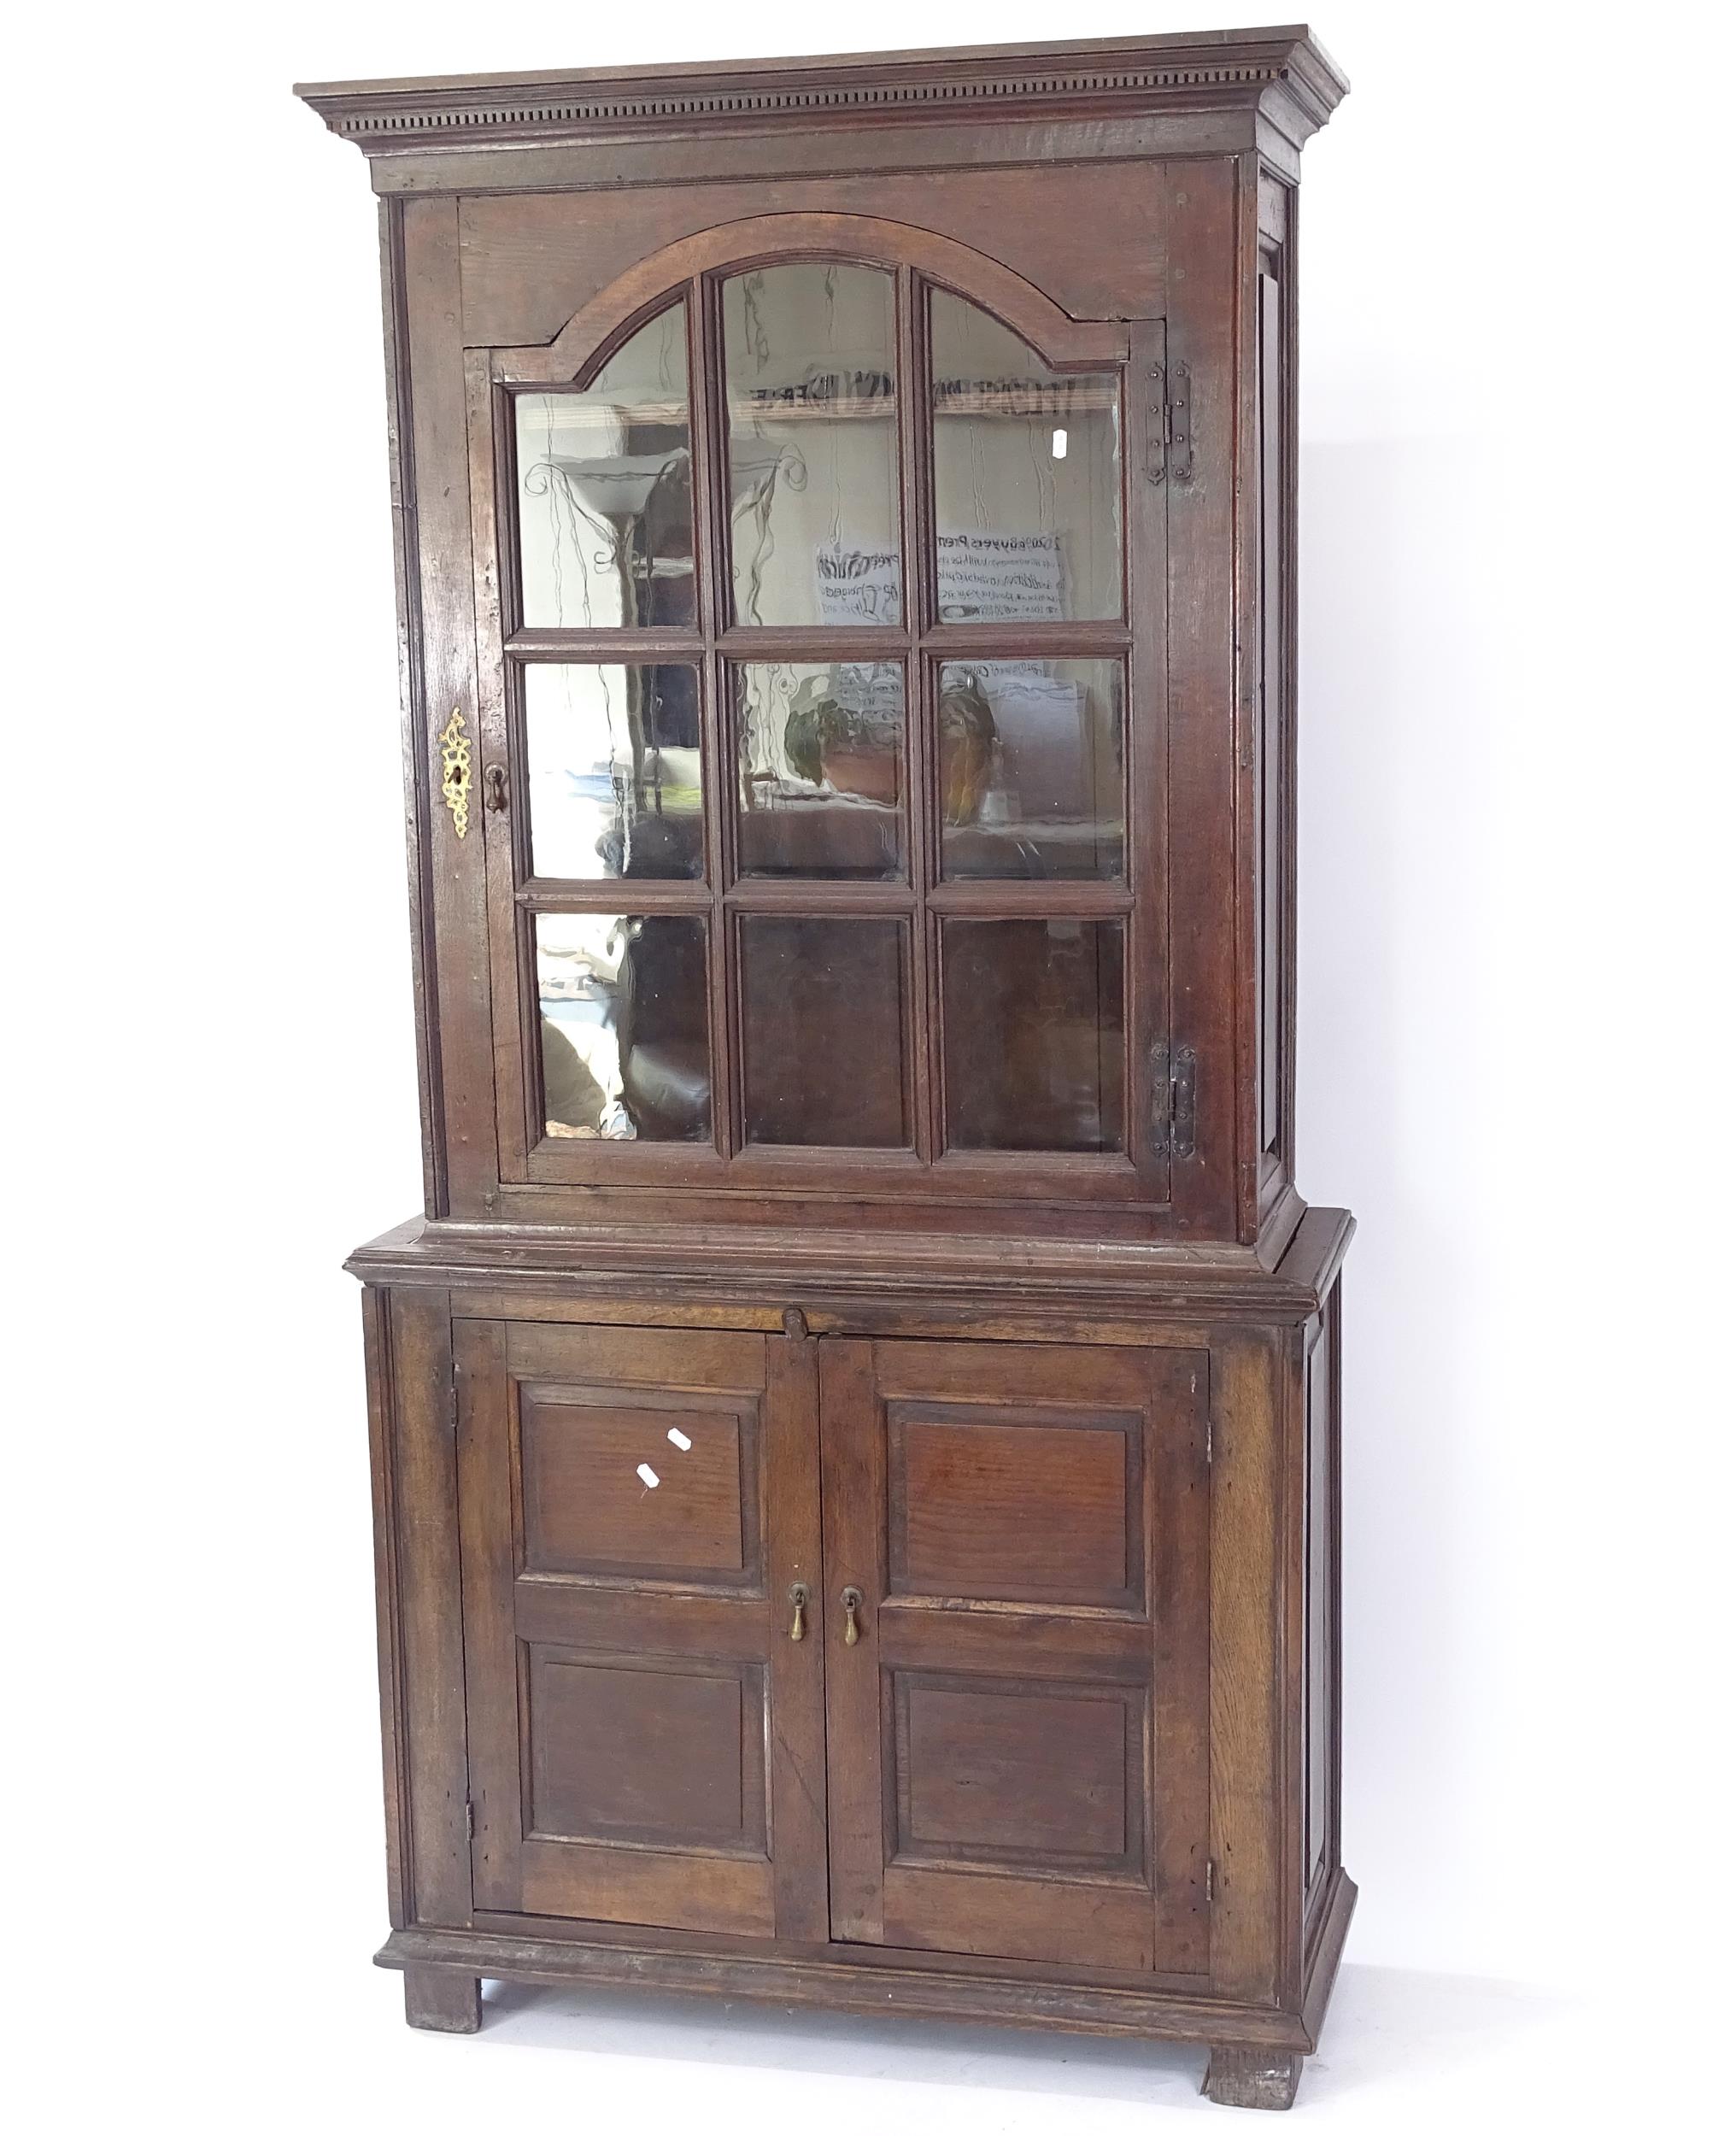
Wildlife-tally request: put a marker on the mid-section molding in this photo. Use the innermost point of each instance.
(1282, 70)
(752, 1268)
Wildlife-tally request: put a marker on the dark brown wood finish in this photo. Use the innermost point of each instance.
(437, 2000)
(1018, 1737)
(901, 1576)
(637, 1510)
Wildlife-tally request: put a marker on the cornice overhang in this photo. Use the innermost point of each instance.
(1283, 73)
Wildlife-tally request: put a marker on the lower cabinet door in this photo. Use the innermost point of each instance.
(1018, 1753)
(647, 1738)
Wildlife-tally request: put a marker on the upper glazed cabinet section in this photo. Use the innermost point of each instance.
(852, 652)
(817, 679)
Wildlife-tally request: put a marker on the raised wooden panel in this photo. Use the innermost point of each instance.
(1019, 1774)
(1040, 1918)
(632, 1490)
(646, 1749)
(716, 1894)
(1017, 1506)
(709, 1360)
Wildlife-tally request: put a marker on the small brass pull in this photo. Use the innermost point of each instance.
(853, 1602)
(798, 1596)
(494, 784)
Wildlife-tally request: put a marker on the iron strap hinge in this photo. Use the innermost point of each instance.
(1175, 1098)
(1169, 423)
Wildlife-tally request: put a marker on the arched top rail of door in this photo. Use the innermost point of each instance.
(1062, 342)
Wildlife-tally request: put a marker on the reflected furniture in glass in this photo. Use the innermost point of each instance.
(856, 1421)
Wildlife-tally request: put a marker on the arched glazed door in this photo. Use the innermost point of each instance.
(823, 690)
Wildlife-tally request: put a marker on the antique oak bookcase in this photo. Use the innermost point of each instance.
(855, 1427)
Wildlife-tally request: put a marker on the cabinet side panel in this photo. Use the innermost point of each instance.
(1272, 843)
(376, 1327)
(424, 1541)
(1322, 1668)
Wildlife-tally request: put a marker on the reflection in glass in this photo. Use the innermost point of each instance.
(820, 769)
(625, 1052)
(1030, 769)
(606, 491)
(824, 1031)
(613, 767)
(1033, 1034)
(1027, 476)
(813, 445)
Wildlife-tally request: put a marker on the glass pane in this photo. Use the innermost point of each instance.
(1033, 1034)
(819, 756)
(605, 491)
(625, 1043)
(613, 762)
(813, 445)
(1027, 476)
(822, 1031)
(1030, 769)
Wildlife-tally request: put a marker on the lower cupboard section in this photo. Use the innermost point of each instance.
(989, 1677)
(881, 1642)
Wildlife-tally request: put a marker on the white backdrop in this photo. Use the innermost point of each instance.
(1516, 764)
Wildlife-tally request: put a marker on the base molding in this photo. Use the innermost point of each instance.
(1326, 1950)
(878, 1990)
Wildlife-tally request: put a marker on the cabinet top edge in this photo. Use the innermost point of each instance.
(1089, 76)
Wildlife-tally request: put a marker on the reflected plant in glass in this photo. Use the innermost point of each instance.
(820, 768)
(1049, 804)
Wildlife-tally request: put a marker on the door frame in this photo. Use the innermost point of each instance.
(1157, 1641)
(516, 1872)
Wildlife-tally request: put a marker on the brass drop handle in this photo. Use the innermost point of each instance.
(852, 1598)
(798, 1596)
(493, 781)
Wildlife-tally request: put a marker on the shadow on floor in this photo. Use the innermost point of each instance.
(1385, 2025)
